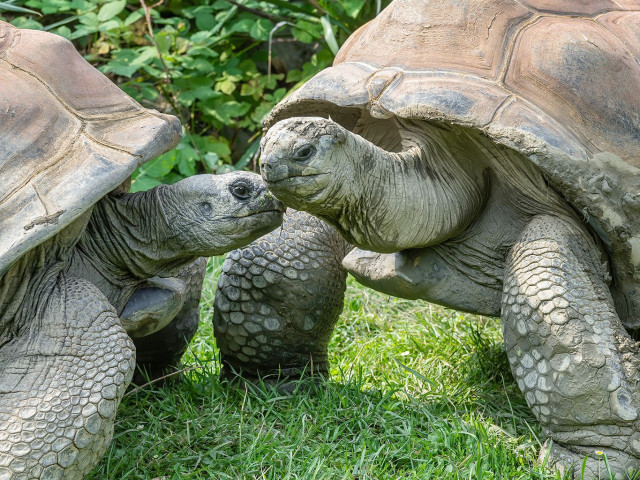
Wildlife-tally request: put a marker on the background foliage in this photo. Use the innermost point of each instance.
(205, 61)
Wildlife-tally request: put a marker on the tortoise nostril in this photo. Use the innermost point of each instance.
(267, 162)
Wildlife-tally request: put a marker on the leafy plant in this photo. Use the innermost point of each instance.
(220, 65)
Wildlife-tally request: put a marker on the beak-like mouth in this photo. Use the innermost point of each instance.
(261, 212)
(294, 178)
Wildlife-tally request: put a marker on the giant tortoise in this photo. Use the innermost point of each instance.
(489, 152)
(76, 251)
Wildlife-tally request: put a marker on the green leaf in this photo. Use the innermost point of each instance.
(55, 25)
(219, 148)
(247, 155)
(143, 183)
(211, 161)
(197, 65)
(306, 31)
(243, 25)
(260, 29)
(205, 21)
(164, 40)
(329, 36)
(305, 9)
(134, 17)
(220, 5)
(25, 22)
(160, 166)
(187, 163)
(192, 88)
(260, 112)
(111, 9)
(110, 25)
(63, 31)
(225, 111)
(352, 7)
(226, 86)
(200, 37)
(127, 61)
(89, 19)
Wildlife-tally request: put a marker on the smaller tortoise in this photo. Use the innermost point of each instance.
(488, 150)
(70, 250)
(278, 300)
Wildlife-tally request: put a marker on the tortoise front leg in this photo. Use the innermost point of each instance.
(572, 358)
(159, 354)
(62, 377)
(278, 300)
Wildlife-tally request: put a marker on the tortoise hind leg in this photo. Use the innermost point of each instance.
(568, 350)
(61, 380)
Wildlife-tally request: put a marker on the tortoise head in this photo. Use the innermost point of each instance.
(212, 214)
(302, 158)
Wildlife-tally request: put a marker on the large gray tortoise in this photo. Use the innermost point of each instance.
(489, 151)
(74, 256)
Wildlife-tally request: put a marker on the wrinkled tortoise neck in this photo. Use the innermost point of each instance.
(423, 195)
(129, 235)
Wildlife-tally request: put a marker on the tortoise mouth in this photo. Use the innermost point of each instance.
(294, 178)
(262, 212)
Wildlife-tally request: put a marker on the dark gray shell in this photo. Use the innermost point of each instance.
(68, 136)
(558, 81)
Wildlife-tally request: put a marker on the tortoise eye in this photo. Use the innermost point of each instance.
(206, 208)
(304, 153)
(241, 191)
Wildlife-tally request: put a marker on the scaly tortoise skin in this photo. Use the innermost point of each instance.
(278, 300)
(73, 255)
(489, 152)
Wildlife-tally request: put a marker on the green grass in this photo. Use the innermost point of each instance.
(417, 392)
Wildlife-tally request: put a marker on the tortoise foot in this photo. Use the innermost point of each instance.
(282, 384)
(597, 464)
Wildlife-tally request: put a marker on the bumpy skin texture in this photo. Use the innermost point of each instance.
(572, 357)
(278, 300)
(61, 380)
(159, 354)
(521, 239)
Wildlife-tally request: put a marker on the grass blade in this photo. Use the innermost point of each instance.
(10, 7)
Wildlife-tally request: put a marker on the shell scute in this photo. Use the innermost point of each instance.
(468, 100)
(564, 66)
(583, 7)
(23, 120)
(465, 36)
(55, 62)
(520, 116)
(626, 26)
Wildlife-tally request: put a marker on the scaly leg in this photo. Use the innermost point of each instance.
(278, 300)
(159, 354)
(61, 379)
(572, 358)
